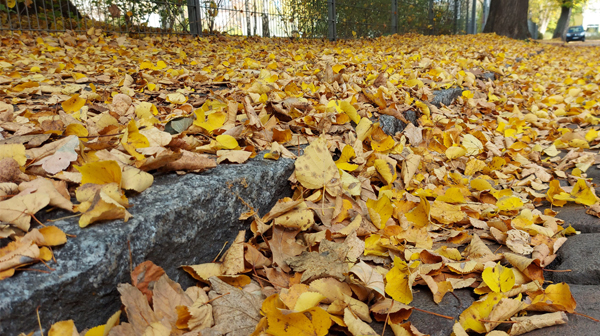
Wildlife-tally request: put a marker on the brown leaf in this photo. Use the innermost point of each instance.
(167, 295)
(283, 246)
(233, 260)
(235, 311)
(144, 276)
(328, 262)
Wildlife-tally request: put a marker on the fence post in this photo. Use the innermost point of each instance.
(331, 32)
(194, 16)
(394, 16)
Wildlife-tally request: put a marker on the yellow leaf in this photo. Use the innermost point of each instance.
(499, 278)
(299, 218)
(473, 166)
(364, 129)
(307, 300)
(508, 203)
(350, 111)
(481, 184)
(554, 191)
(386, 170)
(556, 297)
(96, 331)
(373, 246)
(467, 94)
(338, 67)
(227, 141)
(583, 193)
(399, 282)
(551, 151)
(455, 152)
(146, 65)
(135, 179)
(212, 122)
(452, 195)
(100, 172)
(419, 215)
(479, 310)
(347, 154)
(591, 135)
(446, 213)
(176, 98)
(312, 322)
(53, 236)
(472, 145)
(11, 3)
(133, 139)
(73, 104)
(103, 206)
(77, 129)
(160, 65)
(146, 110)
(380, 211)
(316, 169)
(63, 328)
(384, 144)
(423, 107)
(15, 151)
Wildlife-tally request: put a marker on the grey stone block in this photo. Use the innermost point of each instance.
(179, 220)
(574, 214)
(581, 255)
(588, 303)
(446, 96)
(390, 125)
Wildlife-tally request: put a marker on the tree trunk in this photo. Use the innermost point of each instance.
(508, 18)
(563, 22)
(544, 21)
(248, 24)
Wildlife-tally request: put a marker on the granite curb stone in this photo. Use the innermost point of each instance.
(179, 220)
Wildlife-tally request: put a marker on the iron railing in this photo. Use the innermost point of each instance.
(333, 19)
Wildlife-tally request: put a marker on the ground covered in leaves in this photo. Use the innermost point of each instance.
(449, 203)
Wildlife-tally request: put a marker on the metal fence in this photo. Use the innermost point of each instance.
(333, 19)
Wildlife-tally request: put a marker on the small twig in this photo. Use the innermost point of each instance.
(61, 218)
(34, 269)
(269, 281)
(432, 313)
(218, 297)
(459, 301)
(591, 318)
(33, 216)
(256, 274)
(43, 262)
(37, 311)
(387, 318)
(222, 248)
(490, 321)
(557, 271)
(130, 257)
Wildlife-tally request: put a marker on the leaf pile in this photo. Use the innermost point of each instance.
(372, 215)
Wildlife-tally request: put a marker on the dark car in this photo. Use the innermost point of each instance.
(575, 33)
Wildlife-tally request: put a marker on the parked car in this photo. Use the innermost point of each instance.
(575, 33)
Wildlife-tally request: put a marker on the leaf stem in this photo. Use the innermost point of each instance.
(432, 313)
